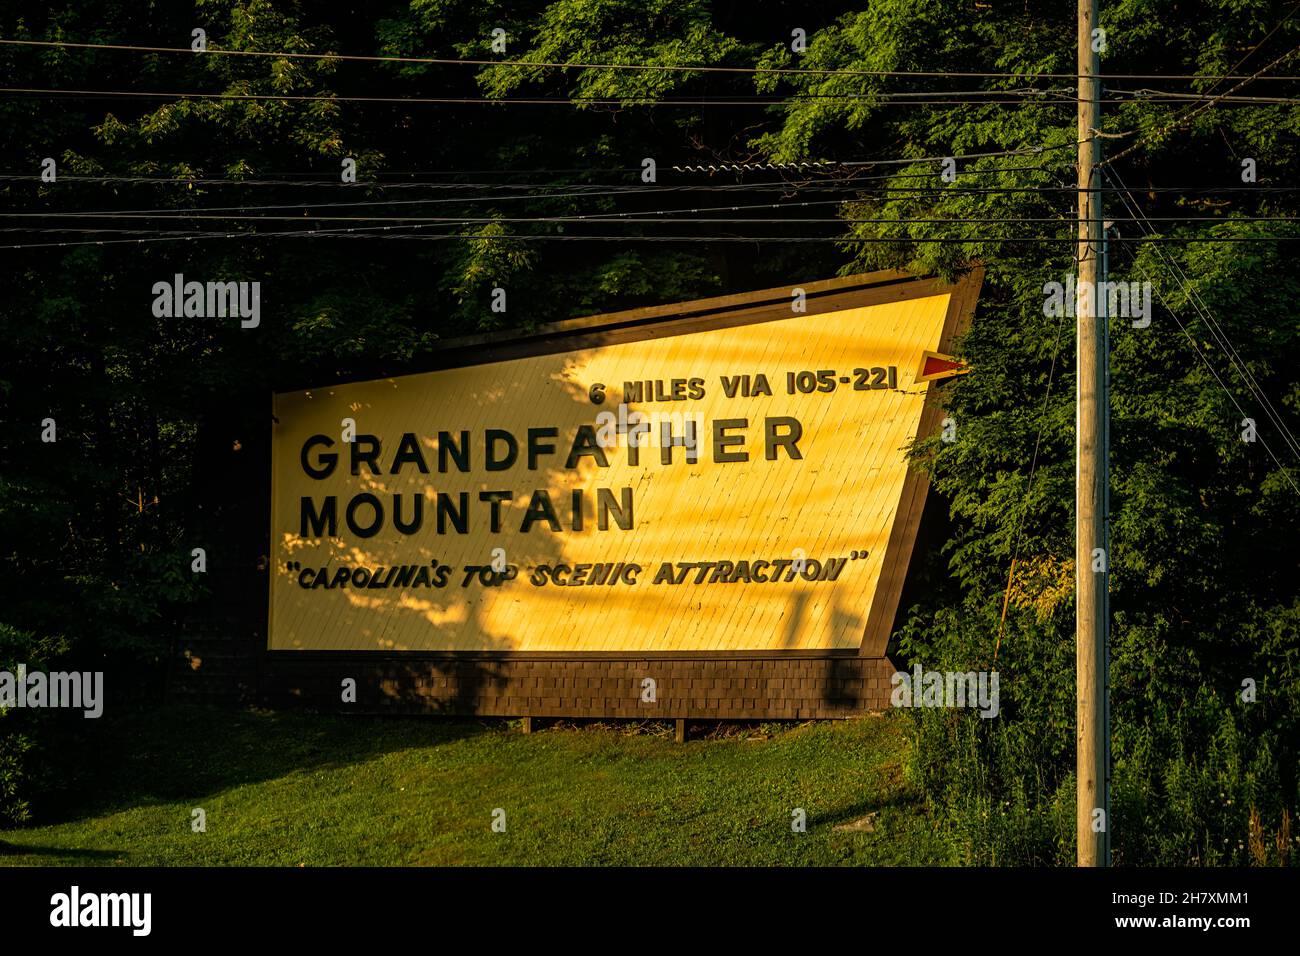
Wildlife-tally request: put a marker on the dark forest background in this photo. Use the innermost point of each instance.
(153, 415)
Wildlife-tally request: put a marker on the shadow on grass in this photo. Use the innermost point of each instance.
(183, 753)
(15, 853)
(897, 800)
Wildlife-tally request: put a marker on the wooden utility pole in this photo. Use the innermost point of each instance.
(1091, 562)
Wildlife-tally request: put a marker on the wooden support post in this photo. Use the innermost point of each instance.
(527, 723)
(680, 735)
(1091, 562)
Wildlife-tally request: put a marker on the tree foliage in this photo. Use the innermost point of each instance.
(153, 415)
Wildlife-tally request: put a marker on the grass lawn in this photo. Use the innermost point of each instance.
(297, 789)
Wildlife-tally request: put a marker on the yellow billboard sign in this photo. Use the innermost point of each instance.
(696, 479)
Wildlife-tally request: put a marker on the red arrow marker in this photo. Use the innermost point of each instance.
(935, 365)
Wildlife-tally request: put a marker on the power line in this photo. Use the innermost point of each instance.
(1184, 117)
(394, 232)
(632, 218)
(601, 189)
(612, 189)
(389, 203)
(821, 167)
(844, 164)
(1251, 52)
(644, 216)
(935, 98)
(1222, 385)
(460, 200)
(174, 212)
(932, 99)
(881, 99)
(635, 67)
(1158, 96)
(1221, 337)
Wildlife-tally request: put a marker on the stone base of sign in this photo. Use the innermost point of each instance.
(228, 667)
(735, 688)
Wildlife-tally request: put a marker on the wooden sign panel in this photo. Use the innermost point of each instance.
(717, 477)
